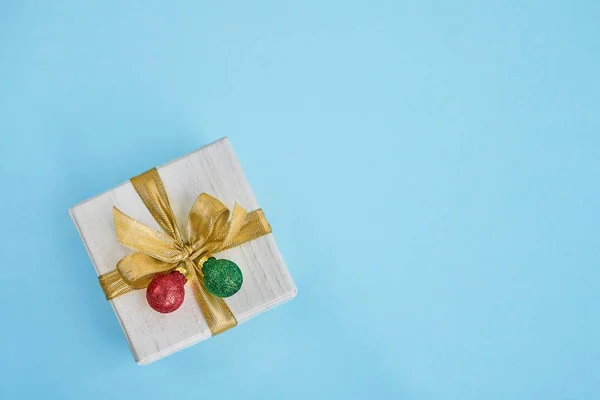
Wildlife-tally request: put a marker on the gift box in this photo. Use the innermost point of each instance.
(174, 221)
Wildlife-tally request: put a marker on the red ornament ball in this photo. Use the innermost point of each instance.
(165, 293)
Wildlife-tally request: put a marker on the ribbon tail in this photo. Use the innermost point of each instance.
(134, 271)
(138, 269)
(113, 285)
(217, 314)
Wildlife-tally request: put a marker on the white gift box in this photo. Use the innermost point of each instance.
(213, 169)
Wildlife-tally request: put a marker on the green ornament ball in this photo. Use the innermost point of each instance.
(223, 278)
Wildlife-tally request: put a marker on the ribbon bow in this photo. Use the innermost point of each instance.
(211, 228)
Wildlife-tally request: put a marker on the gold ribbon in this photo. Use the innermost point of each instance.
(211, 228)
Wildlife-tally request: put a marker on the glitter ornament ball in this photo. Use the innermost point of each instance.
(165, 293)
(223, 278)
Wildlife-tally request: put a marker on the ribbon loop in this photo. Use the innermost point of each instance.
(151, 190)
(211, 227)
(144, 239)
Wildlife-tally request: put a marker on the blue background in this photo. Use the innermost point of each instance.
(430, 169)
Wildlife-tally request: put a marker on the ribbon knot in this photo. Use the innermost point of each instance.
(187, 251)
(211, 228)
